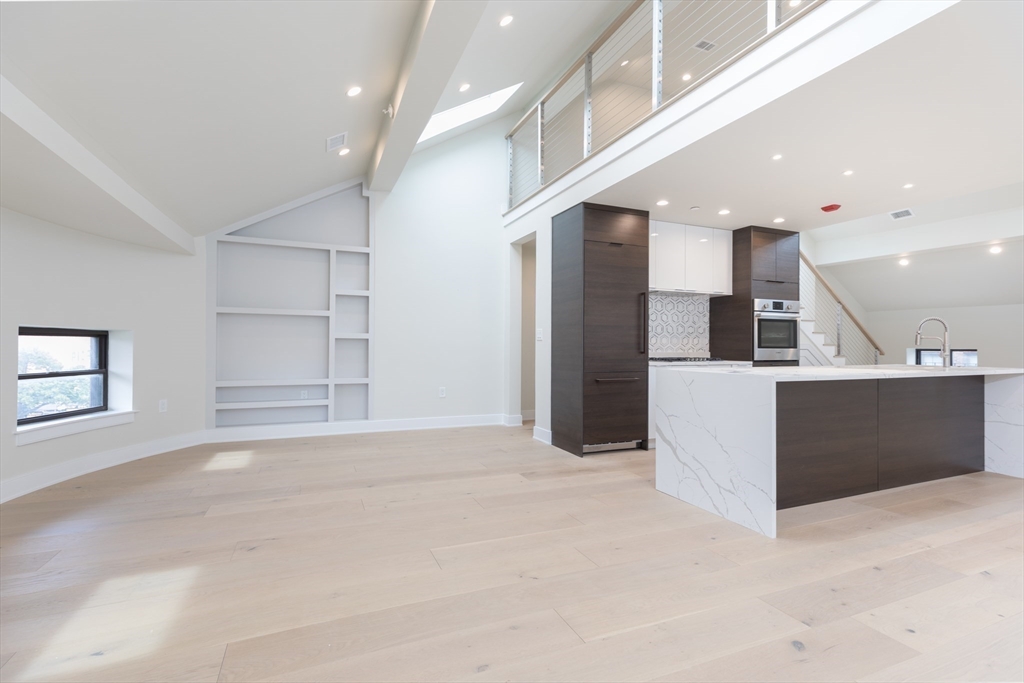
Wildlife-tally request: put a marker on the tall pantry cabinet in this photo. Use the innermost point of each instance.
(599, 284)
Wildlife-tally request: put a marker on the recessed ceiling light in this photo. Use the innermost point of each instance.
(624, 63)
(847, 172)
(705, 239)
(464, 113)
(776, 157)
(687, 77)
(908, 186)
(996, 249)
(354, 90)
(904, 262)
(464, 87)
(779, 220)
(654, 234)
(506, 20)
(694, 208)
(662, 202)
(343, 151)
(723, 212)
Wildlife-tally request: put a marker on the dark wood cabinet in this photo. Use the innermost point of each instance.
(599, 281)
(930, 428)
(615, 307)
(826, 440)
(765, 265)
(843, 438)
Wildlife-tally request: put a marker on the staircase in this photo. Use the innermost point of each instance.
(829, 333)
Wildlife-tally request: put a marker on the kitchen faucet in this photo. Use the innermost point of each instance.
(944, 338)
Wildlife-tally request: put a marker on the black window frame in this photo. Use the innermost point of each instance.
(103, 339)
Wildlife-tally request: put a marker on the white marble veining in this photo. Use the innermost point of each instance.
(808, 373)
(716, 443)
(1004, 425)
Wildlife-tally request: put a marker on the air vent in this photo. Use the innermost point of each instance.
(902, 213)
(705, 45)
(337, 141)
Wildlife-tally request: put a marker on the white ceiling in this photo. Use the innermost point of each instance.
(216, 111)
(964, 276)
(542, 41)
(31, 176)
(939, 106)
(986, 201)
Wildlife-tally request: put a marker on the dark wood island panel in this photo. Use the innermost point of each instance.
(930, 428)
(826, 440)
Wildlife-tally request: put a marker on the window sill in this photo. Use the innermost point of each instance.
(31, 433)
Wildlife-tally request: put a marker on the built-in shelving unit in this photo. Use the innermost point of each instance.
(293, 314)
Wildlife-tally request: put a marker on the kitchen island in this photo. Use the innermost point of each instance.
(746, 442)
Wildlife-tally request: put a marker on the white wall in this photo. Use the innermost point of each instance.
(996, 331)
(51, 276)
(441, 280)
(529, 345)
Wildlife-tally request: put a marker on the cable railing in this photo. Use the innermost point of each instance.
(654, 52)
(834, 320)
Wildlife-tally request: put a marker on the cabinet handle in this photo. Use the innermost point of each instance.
(643, 322)
(617, 379)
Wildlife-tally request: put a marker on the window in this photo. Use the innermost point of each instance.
(60, 373)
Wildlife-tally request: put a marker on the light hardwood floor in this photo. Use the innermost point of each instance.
(481, 554)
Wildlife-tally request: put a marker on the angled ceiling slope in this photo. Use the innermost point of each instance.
(47, 173)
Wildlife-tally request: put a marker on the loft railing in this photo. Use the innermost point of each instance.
(655, 52)
(834, 320)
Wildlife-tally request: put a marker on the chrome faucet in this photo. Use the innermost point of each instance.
(944, 338)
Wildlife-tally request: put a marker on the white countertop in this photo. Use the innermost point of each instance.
(702, 363)
(818, 374)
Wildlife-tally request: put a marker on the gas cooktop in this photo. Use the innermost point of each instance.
(684, 359)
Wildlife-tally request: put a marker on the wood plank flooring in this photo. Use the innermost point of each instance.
(480, 554)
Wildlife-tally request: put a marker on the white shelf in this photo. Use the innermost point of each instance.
(292, 243)
(354, 380)
(271, 404)
(270, 311)
(352, 292)
(271, 382)
(352, 335)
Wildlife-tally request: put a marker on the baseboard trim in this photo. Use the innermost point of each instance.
(23, 484)
(542, 435)
(513, 421)
(289, 431)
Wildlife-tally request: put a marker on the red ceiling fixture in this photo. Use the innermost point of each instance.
(830, 208)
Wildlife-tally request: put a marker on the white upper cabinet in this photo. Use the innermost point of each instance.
(700, 256)
(690, 258)
(670, 259)
(722, 269)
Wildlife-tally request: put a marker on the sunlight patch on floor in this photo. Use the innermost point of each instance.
(102, 633)
(230, 460)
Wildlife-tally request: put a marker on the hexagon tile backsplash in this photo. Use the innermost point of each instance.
(679, 324)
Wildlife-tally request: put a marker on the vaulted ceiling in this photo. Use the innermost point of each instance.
(215, 111)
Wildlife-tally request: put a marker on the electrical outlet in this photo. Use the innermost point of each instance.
(163, 405)
(303, 394)
(441, 393)
(540, 334)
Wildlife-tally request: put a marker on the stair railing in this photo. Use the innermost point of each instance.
(834, 320)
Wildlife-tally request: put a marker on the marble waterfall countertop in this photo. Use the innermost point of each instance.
(716, 431)
(819, 374)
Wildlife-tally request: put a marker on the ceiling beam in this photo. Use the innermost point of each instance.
(438, 39)
(16, 106)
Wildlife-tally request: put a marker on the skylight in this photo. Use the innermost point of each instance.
(464, 113)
